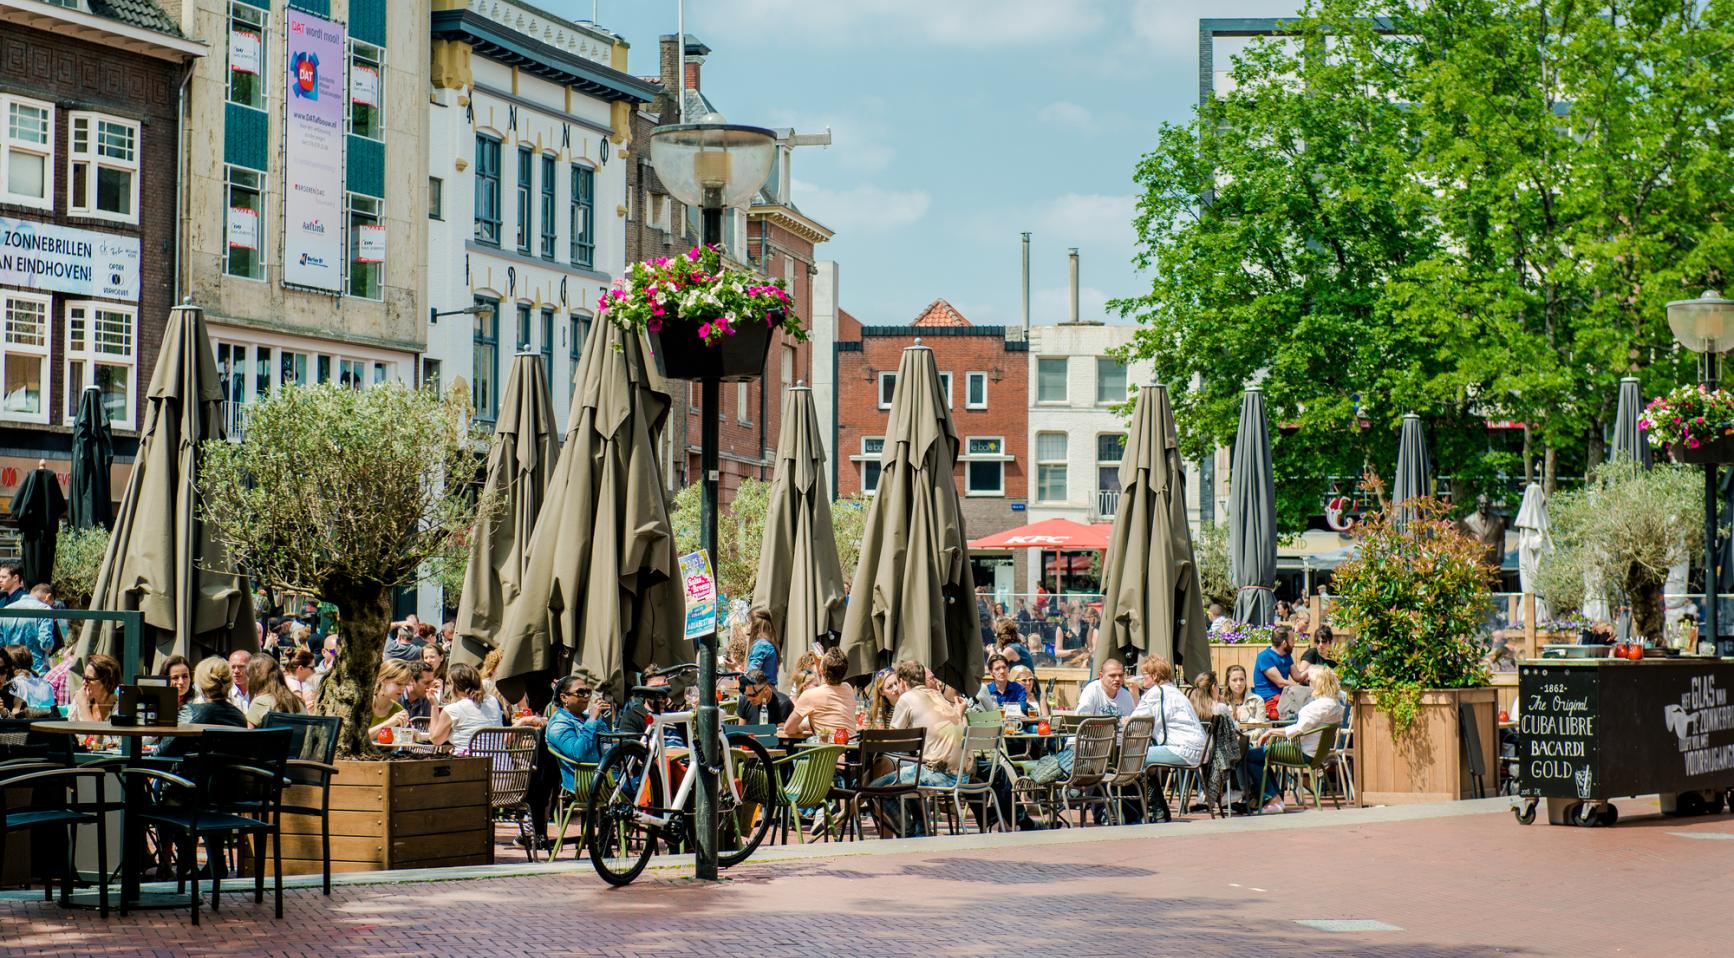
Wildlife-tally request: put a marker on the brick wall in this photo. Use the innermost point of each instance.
(75, 74)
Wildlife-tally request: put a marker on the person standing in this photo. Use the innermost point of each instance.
(762, 655)
(35, 635)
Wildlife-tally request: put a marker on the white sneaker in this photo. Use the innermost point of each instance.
(1274, 807)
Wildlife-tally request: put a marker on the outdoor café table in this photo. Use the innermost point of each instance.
(132, 839)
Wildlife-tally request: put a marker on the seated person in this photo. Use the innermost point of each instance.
(213, 680)
(1001, 691)
(1107, 695)
(458, 722)
(646, 700)
(1299, 741)
(1034, 705)
(826, 707)
(576, 729)
(1319, 653)
(918, 702)
(1243, 703)
(761, 702)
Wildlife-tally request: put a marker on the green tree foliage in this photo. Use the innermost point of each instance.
(741, 532)
(346, 494)
(1215, 576)
(1414, 599)
(1477, 214)
(77, 557)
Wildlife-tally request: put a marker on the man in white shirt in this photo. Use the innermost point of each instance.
(1108, 695)
(238, 694)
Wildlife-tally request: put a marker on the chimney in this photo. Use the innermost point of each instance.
(1072, 259)
(1026, 312)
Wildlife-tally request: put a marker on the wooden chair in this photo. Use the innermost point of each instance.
(512, 760)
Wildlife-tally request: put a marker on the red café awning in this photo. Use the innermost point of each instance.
(1050, 534)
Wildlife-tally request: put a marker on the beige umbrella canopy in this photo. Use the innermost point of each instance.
(914, 594)
(161, 560)
(519, 469)
(600, 588)
(1153, 605)
(800, 580)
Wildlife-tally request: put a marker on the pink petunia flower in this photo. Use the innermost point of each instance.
(654, 326)
(704, 331)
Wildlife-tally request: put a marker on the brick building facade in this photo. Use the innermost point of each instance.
(89, 149)
(988, 374)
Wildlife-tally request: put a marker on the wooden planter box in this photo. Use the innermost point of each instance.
(1243, 654)
(396, 814)
(1427, 764)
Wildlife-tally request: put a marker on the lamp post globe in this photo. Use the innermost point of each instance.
(711, 165)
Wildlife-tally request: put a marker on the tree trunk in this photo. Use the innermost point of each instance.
(1644, 591)
(1528, 458)
(1549, 469)
(363, 616)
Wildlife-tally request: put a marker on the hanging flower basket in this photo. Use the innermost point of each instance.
(703, 320)
(1694, 424)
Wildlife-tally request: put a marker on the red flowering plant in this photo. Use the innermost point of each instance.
(695, 289)
(1689, 416)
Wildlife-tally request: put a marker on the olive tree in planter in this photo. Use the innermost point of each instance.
(1625, 528)
(1414, 600)
(346, 494)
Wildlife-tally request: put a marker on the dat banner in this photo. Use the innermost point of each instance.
(313, 154)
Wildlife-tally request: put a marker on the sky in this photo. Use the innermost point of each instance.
(956, 125)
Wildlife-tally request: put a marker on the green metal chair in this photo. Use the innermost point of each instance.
(570, 802)
(984, 718)
(807, 778)
(1287, 758)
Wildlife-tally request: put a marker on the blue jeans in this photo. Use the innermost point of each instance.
(892, 808)
(1163, 755)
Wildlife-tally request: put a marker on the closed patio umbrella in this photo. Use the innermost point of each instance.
(1252, 515)
(37, 508)
(1533, 541)
(161, 559)
(1628, 439)
(92, 494)
(600, 589)
(1152, 604)
(800, 579)
(1414, 473)
(519, 467)
(914, 593)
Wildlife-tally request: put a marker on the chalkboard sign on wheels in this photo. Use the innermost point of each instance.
(1599, 729)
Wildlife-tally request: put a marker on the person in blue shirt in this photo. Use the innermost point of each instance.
(11, 583)
(762, 655)
(1002, 691)
(1274, 669)
(35, 635)
(575, 730)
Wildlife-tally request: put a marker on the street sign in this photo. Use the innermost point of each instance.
(700, 585)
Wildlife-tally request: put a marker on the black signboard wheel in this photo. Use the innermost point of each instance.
(1524, 813)
(1610, 815)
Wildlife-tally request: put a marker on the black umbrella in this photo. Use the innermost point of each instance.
(1413, 471)
(37, 509)
(1252, 515)
(92, 502)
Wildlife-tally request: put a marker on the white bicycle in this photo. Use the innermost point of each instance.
(628, 813)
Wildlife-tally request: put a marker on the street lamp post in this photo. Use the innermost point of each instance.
(712, 165)
(1706, 326)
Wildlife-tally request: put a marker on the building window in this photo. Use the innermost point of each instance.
(323, 365)
(366, 247)
(788, 367)
(872, 447)
(1051, 380)
(100, 353)
(548, 343)
(526, 184)
(887, 389)
(26, 152)
(1110, 380)
(366, 118)
(945, 386)
(1050, 467)
(436, 201)
(102, 167)
(381, 372)
(549, 223)
(985, 473)
(578, 330)
(583, 215)
(1110, 449)
(261, 371)
(486, 350)
(24, 356)
(741, 404)
(351, 373)
(247, 55)
(975, 391)
(524, 340)
(487, 190)
(244, 223)
(291, 368)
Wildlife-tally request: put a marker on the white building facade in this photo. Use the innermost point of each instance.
(528, 134)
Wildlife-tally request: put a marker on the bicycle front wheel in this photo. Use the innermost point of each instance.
(619, 838)
(744, 823)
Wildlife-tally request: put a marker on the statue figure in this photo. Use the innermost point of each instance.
(1488, 528)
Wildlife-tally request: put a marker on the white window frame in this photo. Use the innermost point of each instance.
(40, 352)
(945, 380)
(350, 201)
(871, 460)
(741, 402)
(1065, 385)
(260, 20)
(1125, 384)
(377, 61)
(89, 357)
(95, 162)
(880, 397)
(999, 458)
(1045, 464)
(229, 171)
(973, 377)
(9, 146)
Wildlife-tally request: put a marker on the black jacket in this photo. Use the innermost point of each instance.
(202, 713)
(774, 712)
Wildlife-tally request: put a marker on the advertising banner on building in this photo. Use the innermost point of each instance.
(313, 154)
(244, 52)
(243, 228)
(49, 258)
(370, 244)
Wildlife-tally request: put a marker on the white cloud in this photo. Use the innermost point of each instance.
(1089, 218)
(949, 23)
(861, 209)
(1065, 114)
